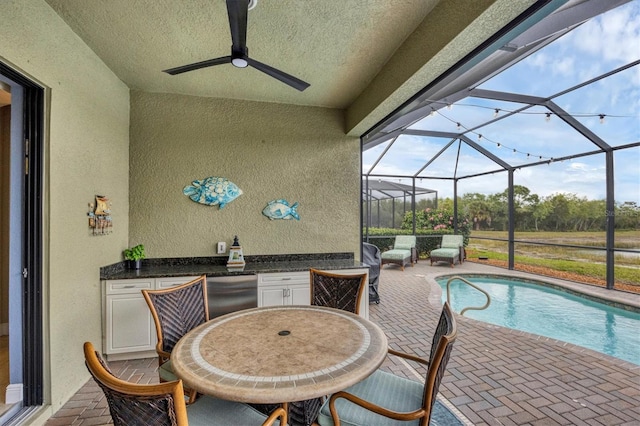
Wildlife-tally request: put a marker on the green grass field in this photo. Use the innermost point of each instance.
(577, 262)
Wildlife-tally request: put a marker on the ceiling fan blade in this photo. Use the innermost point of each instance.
(198, 65)
(292, 81)
(238, 10)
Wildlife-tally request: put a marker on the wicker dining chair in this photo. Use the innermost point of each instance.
(163, 404)
(334, 291)
(338, 291)
(176, 311)
(384, 398)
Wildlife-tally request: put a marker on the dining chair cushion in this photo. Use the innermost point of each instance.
(165, 372)
(218, 412)
(381, 388)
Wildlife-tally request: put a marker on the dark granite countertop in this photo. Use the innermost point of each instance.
(216, 266)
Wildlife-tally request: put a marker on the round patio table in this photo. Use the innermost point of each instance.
(279, 354)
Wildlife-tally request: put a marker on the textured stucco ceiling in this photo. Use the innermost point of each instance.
(356, 54)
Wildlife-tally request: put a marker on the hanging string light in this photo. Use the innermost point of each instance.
(602, 118)
(481, 137)
(496, 111)
(548, 116)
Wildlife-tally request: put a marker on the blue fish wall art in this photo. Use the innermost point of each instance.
(280, 209)
(212, 191)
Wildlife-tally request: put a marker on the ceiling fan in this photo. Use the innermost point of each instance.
(237, 10)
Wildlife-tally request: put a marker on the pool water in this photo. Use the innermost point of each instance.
(552, 313)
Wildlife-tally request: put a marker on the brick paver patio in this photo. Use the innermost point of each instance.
(496, 376)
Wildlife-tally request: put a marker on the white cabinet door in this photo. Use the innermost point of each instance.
(271, 296)
(129, 324)
(283, 288)
(128, 328)
(300, 294)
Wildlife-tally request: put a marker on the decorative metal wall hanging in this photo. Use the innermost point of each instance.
(100, 221)
(212, 191)
(280, 209)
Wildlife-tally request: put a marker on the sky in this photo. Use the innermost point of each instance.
(600, 45)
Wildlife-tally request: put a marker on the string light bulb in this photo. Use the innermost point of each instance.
(498, 144)
(548, 116)
(601, 118)
(495, 114)
(433, 112)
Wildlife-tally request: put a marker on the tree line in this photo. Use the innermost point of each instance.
(557, 212)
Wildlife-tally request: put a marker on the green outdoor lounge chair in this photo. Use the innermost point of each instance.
(404, 251)
(451, 250)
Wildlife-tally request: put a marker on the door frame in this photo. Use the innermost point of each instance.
(32, 235)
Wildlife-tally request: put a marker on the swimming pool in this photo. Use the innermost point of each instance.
(545, 311)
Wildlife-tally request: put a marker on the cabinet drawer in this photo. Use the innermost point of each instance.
(168, 282)
(283, 278)
(129, 286)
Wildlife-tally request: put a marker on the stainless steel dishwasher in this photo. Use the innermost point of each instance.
(231, 293)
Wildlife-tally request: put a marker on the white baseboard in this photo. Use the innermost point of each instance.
(4, 329)
(14, 393)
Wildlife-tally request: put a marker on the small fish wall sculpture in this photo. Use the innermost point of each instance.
(212, 191)
(280, 209)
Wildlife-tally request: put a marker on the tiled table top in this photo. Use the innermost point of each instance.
(279, 354)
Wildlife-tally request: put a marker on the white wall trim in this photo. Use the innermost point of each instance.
(14, 393)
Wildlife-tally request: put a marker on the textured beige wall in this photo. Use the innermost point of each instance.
(269, 150)
(86, 152)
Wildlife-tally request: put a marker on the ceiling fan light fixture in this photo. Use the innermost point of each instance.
(239, 62)
(239, 58)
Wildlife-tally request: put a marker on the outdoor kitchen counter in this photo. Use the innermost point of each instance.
(216, 266)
